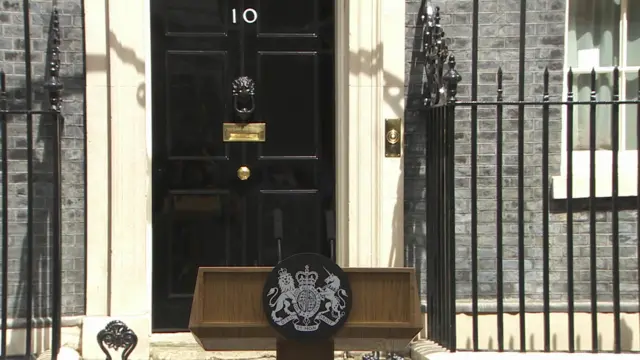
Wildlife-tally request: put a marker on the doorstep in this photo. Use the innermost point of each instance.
(424, 349)
(181, 346)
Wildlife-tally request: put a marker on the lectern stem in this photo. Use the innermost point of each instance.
(311, 350)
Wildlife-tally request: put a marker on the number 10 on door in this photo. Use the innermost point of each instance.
(249, 16)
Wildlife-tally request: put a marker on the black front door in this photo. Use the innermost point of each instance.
(218, 203)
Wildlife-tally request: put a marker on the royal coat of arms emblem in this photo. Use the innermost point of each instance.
(308, 299)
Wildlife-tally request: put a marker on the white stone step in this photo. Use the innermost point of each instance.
(192, 353)
(182, 346)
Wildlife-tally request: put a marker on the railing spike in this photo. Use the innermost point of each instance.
(53, 85)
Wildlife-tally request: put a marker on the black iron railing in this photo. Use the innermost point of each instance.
(506, 225)
(21, 113)
(440, 91)
(24, 111)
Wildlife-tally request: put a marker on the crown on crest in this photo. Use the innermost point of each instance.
(306, 277)
(282, 272)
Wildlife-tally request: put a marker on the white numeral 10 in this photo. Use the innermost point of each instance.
(249, 16)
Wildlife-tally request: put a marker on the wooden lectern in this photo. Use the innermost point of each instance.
(227, 313)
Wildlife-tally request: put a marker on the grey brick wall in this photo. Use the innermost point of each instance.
(498, 47)
(73, 166)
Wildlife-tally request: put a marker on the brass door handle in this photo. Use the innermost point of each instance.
(393, 138)
(243, 173)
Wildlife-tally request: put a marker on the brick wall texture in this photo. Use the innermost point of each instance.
(498, 47)
(12, 61)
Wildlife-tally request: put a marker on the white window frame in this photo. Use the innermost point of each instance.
(627, 159)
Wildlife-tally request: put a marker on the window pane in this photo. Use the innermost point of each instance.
(582, 113)
(594, 33)
(631, 120)
(633, 35)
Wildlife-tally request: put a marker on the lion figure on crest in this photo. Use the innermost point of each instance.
(334, 295)
(286, 298)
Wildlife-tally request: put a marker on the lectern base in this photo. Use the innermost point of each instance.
(312, 350)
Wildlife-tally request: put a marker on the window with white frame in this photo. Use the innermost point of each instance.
(603, 34)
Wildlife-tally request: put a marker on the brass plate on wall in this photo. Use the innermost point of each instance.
(239, 132)
(393, 137)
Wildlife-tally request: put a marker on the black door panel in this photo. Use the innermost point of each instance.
(203, 213)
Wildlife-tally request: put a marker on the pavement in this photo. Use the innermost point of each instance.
(468, 355)
(187, 348)
(425, 350)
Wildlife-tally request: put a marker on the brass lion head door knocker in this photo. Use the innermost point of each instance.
(243, 126)
(243, 91)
